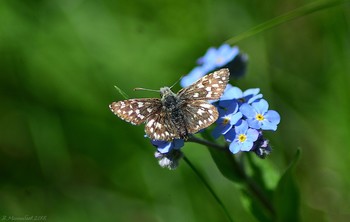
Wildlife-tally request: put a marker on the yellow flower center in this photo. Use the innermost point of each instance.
(242, 100)
(219, 60)
(226, 121)
(242, 138)
(259, 117)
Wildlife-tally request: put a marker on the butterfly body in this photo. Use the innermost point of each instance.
(172, 106)
(176, 115)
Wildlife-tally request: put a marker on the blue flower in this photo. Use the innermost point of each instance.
(235, 93)
(168, 153)
(169, 160)
(166, 147)
(227, 119)
(242, 137)
(259, 117)
(217, 58)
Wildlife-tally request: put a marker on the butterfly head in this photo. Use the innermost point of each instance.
(165, 92)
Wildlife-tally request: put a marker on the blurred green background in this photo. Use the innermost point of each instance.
(64, 155)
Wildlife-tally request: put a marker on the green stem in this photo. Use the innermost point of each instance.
(206, 184)
(207, 143)
(294, 14)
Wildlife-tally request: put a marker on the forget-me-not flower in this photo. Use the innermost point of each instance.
(216, 58)
(259, 117)
(227, 119)
(242, 137)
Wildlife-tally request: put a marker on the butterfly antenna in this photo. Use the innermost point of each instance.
(143, 89)
(121, 92)
(176, 82)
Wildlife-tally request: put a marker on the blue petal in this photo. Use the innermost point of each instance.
(253, 123)
(252, 135)
(222, 113)
(178, 143)
(229, 93)
(266, 125)
(221, 130)
(246, 146)
(261, 106)
(253, 91)
(224, 49)
(235, 118)
(241, 128)
(165, 147)
(217, 132)
(230, 135)
(195, 74)
(254, 98)
(235, 147)
(237, 93)
(232, 107)
(209, 55)
(273, 116)
(247, 110)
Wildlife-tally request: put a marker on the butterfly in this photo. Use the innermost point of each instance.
(176, 115)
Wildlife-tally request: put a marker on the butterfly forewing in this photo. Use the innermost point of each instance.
(199, 114)
(209, 87)
(136, 111)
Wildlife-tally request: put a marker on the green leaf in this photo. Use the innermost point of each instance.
(227, 165)
(286, 197)
(253, 205)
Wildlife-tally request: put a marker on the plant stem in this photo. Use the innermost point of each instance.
(207, 143)
(206, 184)
(294, 14)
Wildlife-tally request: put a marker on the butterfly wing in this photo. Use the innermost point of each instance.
(136, 111)
(209, 87)
(199, 114)
(160, 127)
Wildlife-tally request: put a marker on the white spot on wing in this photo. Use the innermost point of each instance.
(150, 123)
(206, 105)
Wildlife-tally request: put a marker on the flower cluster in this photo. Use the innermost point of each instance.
(242, 115)
(242, 118)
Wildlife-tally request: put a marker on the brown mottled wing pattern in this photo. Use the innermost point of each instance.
(160, 127)
(209, 87)
(136, 111)
(199, 114)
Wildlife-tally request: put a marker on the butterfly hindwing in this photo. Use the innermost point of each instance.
(160, 127)
(199, 114)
